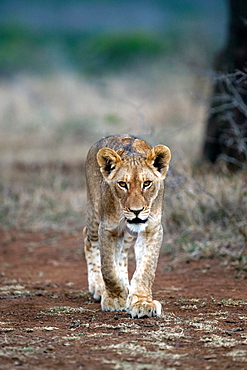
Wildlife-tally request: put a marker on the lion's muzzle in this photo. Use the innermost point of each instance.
(139, 216)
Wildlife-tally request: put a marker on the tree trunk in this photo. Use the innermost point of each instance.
(226, 131)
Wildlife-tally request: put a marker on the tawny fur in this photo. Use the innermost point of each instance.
(125, 188)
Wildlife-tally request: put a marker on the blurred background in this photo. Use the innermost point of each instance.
(74, 71)
(98, 36)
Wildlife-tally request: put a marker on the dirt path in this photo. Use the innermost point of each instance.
(49, 321)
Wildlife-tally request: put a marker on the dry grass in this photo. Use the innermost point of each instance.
(47, 125)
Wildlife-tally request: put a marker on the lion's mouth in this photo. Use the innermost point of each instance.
(136, 220)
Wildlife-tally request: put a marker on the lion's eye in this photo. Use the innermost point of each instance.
(147, 184)
(123, 185)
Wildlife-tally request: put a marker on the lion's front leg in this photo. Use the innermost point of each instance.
(140, 302)
(92, 254)
(116, 287)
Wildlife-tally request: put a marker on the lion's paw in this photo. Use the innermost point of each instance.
(143, 307)
(96, 286)
(96, 291)
(113, 302)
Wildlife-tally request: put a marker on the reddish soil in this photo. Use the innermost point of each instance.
(49, 320)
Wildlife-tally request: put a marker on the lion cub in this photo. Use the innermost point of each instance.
(125, 187)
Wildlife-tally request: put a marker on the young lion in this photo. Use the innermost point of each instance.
(125, 186)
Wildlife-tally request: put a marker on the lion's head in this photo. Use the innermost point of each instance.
(135, 180)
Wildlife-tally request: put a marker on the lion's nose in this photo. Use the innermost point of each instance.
(136, 211)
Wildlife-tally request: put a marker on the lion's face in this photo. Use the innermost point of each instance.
(135, 181)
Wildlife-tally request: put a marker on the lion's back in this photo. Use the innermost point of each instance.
(127, 143)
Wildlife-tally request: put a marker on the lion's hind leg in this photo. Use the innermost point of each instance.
(92, 254)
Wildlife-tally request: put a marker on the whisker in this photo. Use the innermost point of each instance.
(121, 218)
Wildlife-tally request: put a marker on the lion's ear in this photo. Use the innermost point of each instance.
(160, 157)
(107, 160)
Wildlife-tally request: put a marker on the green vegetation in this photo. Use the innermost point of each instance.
(23, 49)
(123, 49)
